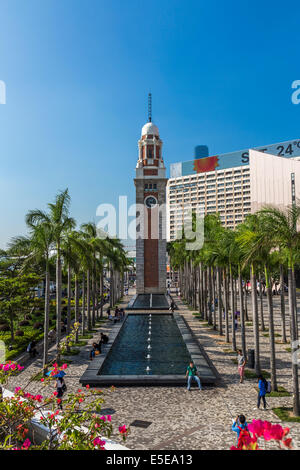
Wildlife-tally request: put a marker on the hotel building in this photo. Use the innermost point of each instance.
(234, 184)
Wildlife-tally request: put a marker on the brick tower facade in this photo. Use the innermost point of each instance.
(150, 183)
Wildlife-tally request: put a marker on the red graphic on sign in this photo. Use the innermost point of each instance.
(206, 164)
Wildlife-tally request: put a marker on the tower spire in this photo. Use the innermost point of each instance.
(150, 107)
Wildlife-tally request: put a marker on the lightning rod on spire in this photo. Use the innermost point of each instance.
(150, 107)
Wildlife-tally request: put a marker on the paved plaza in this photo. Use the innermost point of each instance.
(185, 420)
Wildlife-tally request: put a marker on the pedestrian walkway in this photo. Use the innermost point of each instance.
(199, 420)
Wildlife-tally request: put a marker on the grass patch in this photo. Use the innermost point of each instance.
(85, 336)
(288, 349)
(249, 323)
(80, 343)
(206, 325)
(72, 352)
(229, 351)
(250, 374)
(286, 414)
(235, 361)
(281, 392)
(266, 335)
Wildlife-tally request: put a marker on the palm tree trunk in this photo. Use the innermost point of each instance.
(226, 296)
(271, 332)
(219, 300)
(204, 293)
(101, 294)
(282, 305)
(214, 299)
(210, 296)
(246, 301)
(294, 344)
(76, 304)
(242, 315)
(83, 304)
(88, 299)
(93, 298)
(295, 304)
(262, 322)
(232, 301)
(46, 318)
(199, 272)
(255, 319)
(111, 290)
(58, 296)
(69, 305)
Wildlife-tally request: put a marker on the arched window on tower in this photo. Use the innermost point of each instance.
(150, 152)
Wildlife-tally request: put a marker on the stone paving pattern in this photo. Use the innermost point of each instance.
(198, 420)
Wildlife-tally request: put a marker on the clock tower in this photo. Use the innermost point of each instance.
(150, 183)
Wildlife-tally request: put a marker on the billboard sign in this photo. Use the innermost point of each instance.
(288, 149)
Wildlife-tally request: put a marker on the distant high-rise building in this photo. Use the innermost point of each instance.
(233, 184)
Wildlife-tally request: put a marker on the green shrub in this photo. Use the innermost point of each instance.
(4, 327)
(19, 333)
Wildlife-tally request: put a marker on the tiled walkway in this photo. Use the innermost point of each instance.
(182, 420)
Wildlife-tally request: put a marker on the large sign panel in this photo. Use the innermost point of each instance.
(288, 149)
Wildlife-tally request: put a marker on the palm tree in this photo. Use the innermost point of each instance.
(58, 222)
(36, 248)
(282, 225)
(248, 239)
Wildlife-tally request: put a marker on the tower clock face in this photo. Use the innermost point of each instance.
(150, 202)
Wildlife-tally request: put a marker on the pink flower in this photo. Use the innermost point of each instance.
(123, 429)
(87, 386)
(108, 418)
(64, 366)
(103, 418)
(256, 427)
(287, 443)
(26, 444)
(98, 442)
(277, 432)
(42, 380)
(17, 389)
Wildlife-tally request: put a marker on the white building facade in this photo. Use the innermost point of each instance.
(236, 184)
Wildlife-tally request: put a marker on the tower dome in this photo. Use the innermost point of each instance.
(150, 129)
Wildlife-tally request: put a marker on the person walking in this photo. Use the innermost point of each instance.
(61, 388)
(241, 365)
(262, 390)
(191, 373)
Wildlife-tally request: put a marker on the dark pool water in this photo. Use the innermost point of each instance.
(158, 301)
(168, 352)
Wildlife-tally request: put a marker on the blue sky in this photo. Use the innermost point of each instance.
(78, 72)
